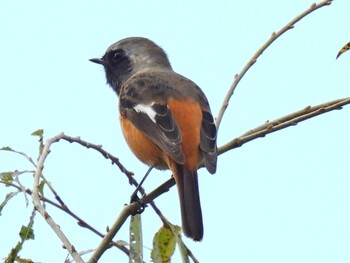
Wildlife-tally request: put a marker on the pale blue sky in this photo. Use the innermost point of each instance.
(282, 198)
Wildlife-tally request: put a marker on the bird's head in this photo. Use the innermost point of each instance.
(129, 56)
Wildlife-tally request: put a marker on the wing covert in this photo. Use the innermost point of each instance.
(156, 121)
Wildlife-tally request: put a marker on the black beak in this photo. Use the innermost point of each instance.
(97, 61)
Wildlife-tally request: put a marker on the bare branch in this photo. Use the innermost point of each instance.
(37, 197)
(40, 207)
(284, 122)
(254, 58)
(30, 159)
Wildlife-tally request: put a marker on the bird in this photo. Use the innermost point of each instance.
(165, 119)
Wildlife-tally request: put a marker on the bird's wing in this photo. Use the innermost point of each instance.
(208, 141)
(141, 104)
(208, 132)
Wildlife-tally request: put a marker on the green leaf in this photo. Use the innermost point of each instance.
(163, 245)
(23, 260)
(40, 134)
(6, 148)
(6, 177)
(26, 233)
(41, 187)
(7, 198)
(136, 244)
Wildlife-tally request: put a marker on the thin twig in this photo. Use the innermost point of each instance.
(62, 205)
(284, 122)
(39, 207)
(254, 58)
(65, 209)
(160, 190)
(116, 161)
(104, 153)
(30, 159)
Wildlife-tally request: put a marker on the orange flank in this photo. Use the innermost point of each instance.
(188, 115)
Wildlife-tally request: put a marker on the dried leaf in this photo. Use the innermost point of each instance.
(343, 49)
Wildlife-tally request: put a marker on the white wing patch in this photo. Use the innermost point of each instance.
(146, 109)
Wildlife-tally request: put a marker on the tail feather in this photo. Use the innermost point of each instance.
(191, 212)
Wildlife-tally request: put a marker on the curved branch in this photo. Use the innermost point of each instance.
(254, 58)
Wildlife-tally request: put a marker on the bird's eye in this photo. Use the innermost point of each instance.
(118, 54)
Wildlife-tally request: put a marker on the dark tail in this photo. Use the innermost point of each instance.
(191, 212)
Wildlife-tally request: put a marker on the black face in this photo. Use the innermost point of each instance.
(118, 67)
